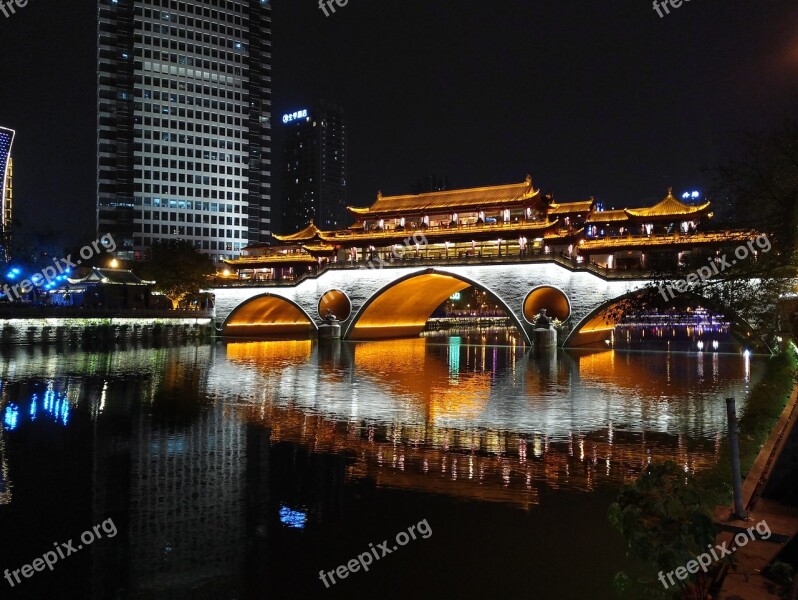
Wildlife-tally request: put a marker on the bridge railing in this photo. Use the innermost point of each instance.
(442, 261)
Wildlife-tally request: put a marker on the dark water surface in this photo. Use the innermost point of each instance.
(241, 470)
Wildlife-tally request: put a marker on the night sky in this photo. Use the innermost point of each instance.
(600, 98)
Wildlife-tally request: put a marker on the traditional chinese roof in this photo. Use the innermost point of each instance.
(439, 234)
(608, 216)
(571, 208)
(281, 260)
(669, 207)
(453, 200)
(672, 241)
(111, 276)
(306, 234)
(319, 248)
(563, 235)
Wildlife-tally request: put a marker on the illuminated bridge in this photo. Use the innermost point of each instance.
(397, 301)
(385, 275)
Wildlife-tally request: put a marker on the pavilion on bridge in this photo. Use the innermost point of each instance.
(501, 222)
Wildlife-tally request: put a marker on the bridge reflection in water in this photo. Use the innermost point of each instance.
(477, 420)
(210, 459)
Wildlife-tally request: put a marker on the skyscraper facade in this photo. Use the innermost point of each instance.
(314, 175)
(6, 191)
(184, 124)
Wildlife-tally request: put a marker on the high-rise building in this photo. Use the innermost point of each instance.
(184, 124)
(6, 191)
(314, 171)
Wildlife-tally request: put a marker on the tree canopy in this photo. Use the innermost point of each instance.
(178, 269)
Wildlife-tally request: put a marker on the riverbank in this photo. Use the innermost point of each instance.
(763, 408)
(77, 330)
(766, 427)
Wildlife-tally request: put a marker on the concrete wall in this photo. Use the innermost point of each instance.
(510, 283)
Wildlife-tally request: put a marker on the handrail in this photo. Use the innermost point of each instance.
(562, 261)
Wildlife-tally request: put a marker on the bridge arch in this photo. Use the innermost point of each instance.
(265, 315)
(598, 324)
(402, 307)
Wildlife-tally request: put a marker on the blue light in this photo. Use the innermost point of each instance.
(11, 417)
(11, 275)
(293, 518)
(16, 271)
(695, 195)
(293, 116)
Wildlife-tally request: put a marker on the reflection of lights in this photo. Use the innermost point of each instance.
(747, 364)
(11, 417)
(715, 344)
(454, 358)
(54, 404)
(292, 518)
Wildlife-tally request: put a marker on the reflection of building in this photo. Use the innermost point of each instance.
(184, 106)
(314, 179)
(512, 220)
(6, 191)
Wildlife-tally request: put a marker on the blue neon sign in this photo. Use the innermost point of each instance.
(293, 116)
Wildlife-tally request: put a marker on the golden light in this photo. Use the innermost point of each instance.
(226, 272)
(267, 315)
(114, 263)
(403, 309)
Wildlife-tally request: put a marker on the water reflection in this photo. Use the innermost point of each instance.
(208, 457)
(500, 425)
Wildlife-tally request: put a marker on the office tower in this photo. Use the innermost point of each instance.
(184, 131)
(6, 192)
(314, 172)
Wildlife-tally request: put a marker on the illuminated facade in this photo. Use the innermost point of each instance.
(498, 222)
(314, 176)
(6, 191)
(184, 124)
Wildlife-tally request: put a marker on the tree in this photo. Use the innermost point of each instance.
(178, 269)
(758, 192)
(666, 525)
(761, 188)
